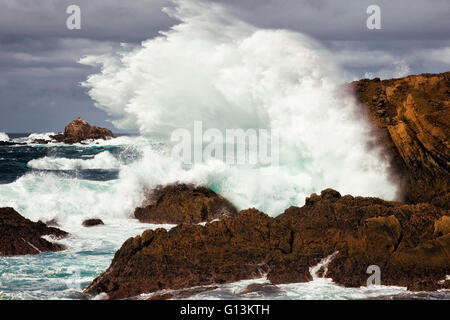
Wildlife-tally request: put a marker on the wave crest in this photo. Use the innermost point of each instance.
(214, 68)
(4, 136)
(104, 160)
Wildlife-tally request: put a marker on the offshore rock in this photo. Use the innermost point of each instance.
(92, 222)
(80, 130)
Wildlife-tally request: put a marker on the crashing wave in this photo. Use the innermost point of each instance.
(216, 69)
(4, 136)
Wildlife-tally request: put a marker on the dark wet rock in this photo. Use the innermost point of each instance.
(399, 238)
(52, 223)
(80, 130)
(410, 244)
(40, 141)
(188, 256)
(442, 201)
(10, 143)
(183, 203)
(59, 137)
(19, 235)
(92, 222)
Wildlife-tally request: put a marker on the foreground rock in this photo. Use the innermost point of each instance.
(92, 222)
(413, 115)
(410, 243)
(19, 235)
(80, 130)
(182, 203)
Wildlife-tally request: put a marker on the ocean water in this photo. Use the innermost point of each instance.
(64, 183)
(211, 68)
(100, 180)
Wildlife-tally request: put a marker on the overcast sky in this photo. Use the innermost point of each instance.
(40, 77)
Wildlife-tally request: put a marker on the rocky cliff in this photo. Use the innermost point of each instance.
(413, 116)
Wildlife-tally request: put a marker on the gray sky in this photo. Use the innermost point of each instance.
(40, 76)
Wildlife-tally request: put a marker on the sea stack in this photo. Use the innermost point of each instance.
(80, 130)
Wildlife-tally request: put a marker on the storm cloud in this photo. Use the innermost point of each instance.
(40, 75)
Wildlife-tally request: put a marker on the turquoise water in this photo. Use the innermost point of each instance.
(64, 275)
(106, 180)
(67, 192)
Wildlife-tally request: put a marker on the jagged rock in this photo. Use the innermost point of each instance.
(183, 203)
(399, 238)
(19, 235)
(92, 222)
(410, 244)
(414, 123)
(79, 130)
(188, 255)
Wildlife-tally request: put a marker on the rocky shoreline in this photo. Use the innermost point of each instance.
(410, 244)
(19, 235)
(408, 241)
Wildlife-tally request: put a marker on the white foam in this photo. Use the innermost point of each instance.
(322, 264)
(4, 136)
(46, 196)
(118, 141)
(215, 68)
(103, 160)
(318, 289)
(101, 296)
(228, 74)
(33, 136)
